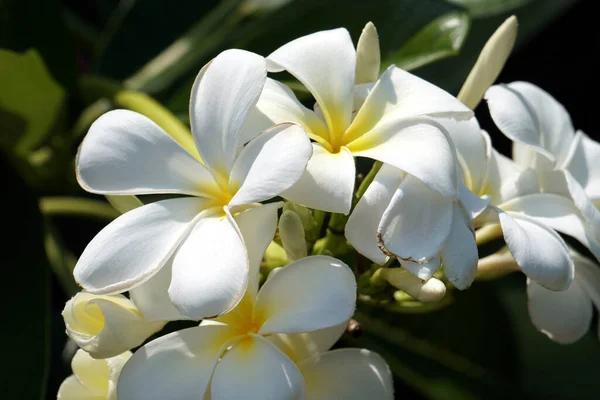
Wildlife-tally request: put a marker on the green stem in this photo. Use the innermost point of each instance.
(364, 185)
(77, 206)
(61, 260)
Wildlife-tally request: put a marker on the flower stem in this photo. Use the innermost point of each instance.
(77, 206)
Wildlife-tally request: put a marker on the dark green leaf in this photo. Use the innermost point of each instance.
(25, 294)
(483, 8)
(441, 38)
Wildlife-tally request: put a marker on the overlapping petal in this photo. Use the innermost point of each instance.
(407, 145)
(583, 165)
(255, 369)
(328, 182)
(361, 228)
(210, 269)
(225, 92)
(417, 222)
(423, 270)
(136, 245)
(459, 254)
(270, 164)
(126, 153)
(175, 366)
(349, 374)
(300, 346)
(325, 63)
(293, 301)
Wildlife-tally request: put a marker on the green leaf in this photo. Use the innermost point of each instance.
(30, 97)
(485, 8)
(441, 38)
(25, 293)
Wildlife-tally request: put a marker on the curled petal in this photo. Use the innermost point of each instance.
(349, 374)
(583, 165)
(313, 293)
(106, 326)
(136, 245)
(361, 228)
(459, 255)
(254, 369)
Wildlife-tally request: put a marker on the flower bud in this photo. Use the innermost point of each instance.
(93, 378)
(425, 291)
(292, 236)
(106, 326)
(311, 228)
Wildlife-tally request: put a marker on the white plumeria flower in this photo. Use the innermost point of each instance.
(199, 237)
(385, 120)
(565, 162)
(566, 316)
(235, 355)
(92, 379)
(106, 325)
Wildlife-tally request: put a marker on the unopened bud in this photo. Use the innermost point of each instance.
(425, 291)
(292, 235)
(106, 326)
(308, 221)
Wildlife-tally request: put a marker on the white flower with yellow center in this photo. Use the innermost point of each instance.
(236, 355)
(92, 379)
(199, 236)
(106, 325)
(386, 120)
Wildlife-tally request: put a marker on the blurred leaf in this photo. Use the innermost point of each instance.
(61, 260)
(140, 30)
(483, 8)
(449, 353)
(39, 24)
(441, 38)
(25, 294)
(533, 16)
(31, 96)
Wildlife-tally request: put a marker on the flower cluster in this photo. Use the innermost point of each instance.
(204, 248)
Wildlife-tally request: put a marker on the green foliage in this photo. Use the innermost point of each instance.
(30, 100)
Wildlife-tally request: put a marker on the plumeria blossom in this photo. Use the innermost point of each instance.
(565, 162)
(106, 325)
(237, 355)
(566, 316)
(92, 379)
(192, 245)
(386, 120)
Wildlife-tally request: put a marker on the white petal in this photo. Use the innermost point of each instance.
(349, 374)
(423, 271)
(563, 316)
(490, 62)
(417, 222)
(325, 63)
(126, 153)
(278, 104)
(506, 180)
(472, 204)
(530, 116)
(425, 291)
(585, 205)
(300, 346)
(72, 389)
(471, 148)
(152, 296)
(91, 373)
(559, 213)
(361, 228)
(270, 164)
(540, 252)
(136, 245)
(368, 58)
(106, 326)
(328, 182)
(588, 274)
(459, 255)
(407, 145)
(254, 369)
(400, 95)
(210, 269)
(313, 293)
(257, 226)
(225, 92)
(175, 366)
(584, 165)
